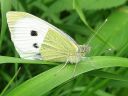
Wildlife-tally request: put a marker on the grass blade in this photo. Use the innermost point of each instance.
(5, 6)
(49, 79)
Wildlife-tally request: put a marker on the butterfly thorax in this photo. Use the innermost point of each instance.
(76, 57)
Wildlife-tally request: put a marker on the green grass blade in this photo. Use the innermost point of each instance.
(48, 80)
(114, 32)
(95, 34)
(2, 93)
(80, 13)
(108, 75)
(6, 59)
(101, 4)
(5, 6)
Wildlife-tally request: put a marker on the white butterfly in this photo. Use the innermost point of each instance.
(37, 39)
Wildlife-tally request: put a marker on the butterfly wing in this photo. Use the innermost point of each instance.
(57, 46)
(27, 33)
(36, 39)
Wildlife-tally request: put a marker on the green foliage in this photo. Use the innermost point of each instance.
(105, 31)
(49, 79)
(4, 9)
(101, 4)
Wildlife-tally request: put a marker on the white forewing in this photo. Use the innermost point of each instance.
(21, 34)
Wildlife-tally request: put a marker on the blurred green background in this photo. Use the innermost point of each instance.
(102, 24)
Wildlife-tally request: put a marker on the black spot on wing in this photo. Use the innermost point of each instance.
(34, 33)
(35, 45)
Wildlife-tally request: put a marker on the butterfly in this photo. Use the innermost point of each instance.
(35, 38)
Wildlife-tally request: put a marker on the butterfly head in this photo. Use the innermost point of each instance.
(83, 49)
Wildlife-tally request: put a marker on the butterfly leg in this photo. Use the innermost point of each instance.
(75, 69)
(63, 66)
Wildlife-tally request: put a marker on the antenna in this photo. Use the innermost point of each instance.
(97, 31)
